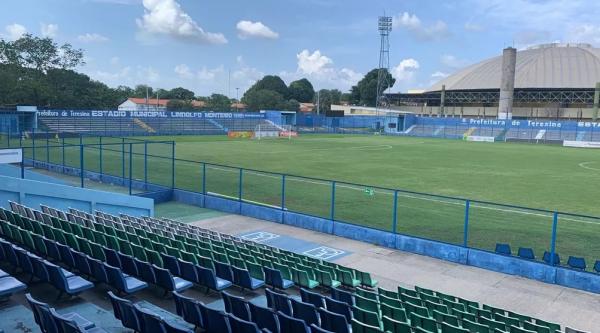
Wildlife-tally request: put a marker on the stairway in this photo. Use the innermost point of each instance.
(143, 125)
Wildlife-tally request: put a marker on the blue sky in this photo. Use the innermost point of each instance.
(217, 46)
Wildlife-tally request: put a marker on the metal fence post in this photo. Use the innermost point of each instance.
(173, 165)
(203, 178)
(130, 165)
(466, 232)
(33, 144)
(100, 154)
(47, 152)
(146, 164)
(63, 154)
(282, 192)
(333, 200)
(81, 166)
(22, 164)
(553, 240)
(240, 185)
(395, 215)
(123, 160)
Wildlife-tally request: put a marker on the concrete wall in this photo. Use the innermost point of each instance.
(505, 264)
(492, 111)
(34, 193)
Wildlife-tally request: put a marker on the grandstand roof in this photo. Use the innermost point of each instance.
(551, 66)
(150, 101)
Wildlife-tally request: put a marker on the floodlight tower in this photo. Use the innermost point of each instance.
(385, 27)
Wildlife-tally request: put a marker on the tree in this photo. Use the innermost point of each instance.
(366, 89)
(218, 102)
(291, 105)
(328, 97)
(271, 82)
(142, 90)
(181, 93)
(39, 53)
(178, 104)
(301, 90)
(263, 99)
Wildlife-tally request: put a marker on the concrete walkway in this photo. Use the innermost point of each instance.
(569, 307)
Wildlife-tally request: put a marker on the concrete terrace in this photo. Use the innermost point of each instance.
(569, 307)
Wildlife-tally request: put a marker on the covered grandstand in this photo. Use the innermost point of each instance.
(555, 81)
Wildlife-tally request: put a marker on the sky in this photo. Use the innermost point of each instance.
(225, 46)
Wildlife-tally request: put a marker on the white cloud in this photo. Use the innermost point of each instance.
(115, 61)
(166, 17)
(112, 78)
(148, 74)
(249, 29)
(411, 22)
(183, 71)
(439, 75)
(585, 33)
(14, 31)
(209, 74)
(406, 69)
(470, 26)
(92, 38)
(49, 30)
(451, 61)
(312, 63)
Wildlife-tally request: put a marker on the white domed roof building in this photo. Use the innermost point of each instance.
(551, 81)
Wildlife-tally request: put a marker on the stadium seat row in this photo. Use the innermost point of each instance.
(573, 262)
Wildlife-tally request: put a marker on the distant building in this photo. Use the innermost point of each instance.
(307, 107)
(143, 104)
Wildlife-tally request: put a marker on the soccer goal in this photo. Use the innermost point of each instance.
(269, 131)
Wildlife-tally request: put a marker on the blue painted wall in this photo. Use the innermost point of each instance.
(33, 193)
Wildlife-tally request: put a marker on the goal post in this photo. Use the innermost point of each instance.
(264, 131)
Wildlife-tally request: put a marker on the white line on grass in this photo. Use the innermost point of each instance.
(411, 196)
(585, 165)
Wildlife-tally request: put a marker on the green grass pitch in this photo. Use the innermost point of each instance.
(537, 176)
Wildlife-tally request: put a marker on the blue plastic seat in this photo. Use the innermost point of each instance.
(188, 309)
(597, 266)
(9, 253)
(211, 281)
(503, 249)
(112, 257)
(9, 286)
(123, 282)
(24, 261)
(577, 263)
(145, 271)
(128, 264)
(81, 263)
(278, 302)
(312, 297)
(291, 324)
(239, 325)
(338, 307)
(526, 253)
(547, 256)
(223, 271)
(124, 311)
(305, 311)
(274, 278)
(316, 329)
(71, 285)
(51, 248)
(188, 271)
(334, 322)
(214, 320)
(168, 282)
(174, 327)
(3, 274)
(242, 278)
(98, 270)
(66, 255)
(342, 296)
(66, 325)
(150, 322)
(263, 317)
(236, 306)
(44, 319)
(171, 263)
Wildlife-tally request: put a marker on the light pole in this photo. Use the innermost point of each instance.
(237, 99)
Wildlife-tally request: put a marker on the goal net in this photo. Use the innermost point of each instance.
(270, 131)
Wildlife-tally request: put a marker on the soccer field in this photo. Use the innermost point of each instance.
(537, 176)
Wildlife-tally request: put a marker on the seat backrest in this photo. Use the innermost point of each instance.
(39, 269)
(339, 308)
(223, 271)
(126, 312)
(146, 271)
(342, 296)
(333, 321)
(171, 263)
(503, 248)
(188, 309)
(98, 270)
(278, 302)
(112, 257)
(115, 277)
(187, 270)
(526, 253)
(273, 277)
(313, 298)
(576, 263)
(597, 266)
(207, 277)
(264, 317)
(214, 320)
(291, 324)
(305, 311)
(128, 264)
(547, 256)
(56, 276)
(236, 306)
(41, 314)
(150, 322)
(64, 325)
(316, 329)
(242, 326)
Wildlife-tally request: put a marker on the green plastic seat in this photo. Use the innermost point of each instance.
(394, 302)
(446, 318)
(97, 251)
(447, 328)
(552, 326)
(71, 241)
(139, 252)
(154, 257)
(286, 272)
(464, 315)
(27, 240)
(492, 323)
(366, 303)
(48, 231)
(76, 229)
(367, 317)
(467, 302)
(367, 293)
(147, 243)
(100, 238)
(536, 328)
(393, 312)
(387, 293)
(347, 279)
(493, 310)
(325, 279)
(40, 246)
(474, 327)
(255, 270)
(302, 278)
(84, 246)
(60, 236)
(134, 239)
(112, 242)
(407, 292)
(125, 247)
(507, 320)
(518, 329)
(395, 326)
(431, 306)
(424, 322)
(89, 234)
(188, 256)
(172, 251)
